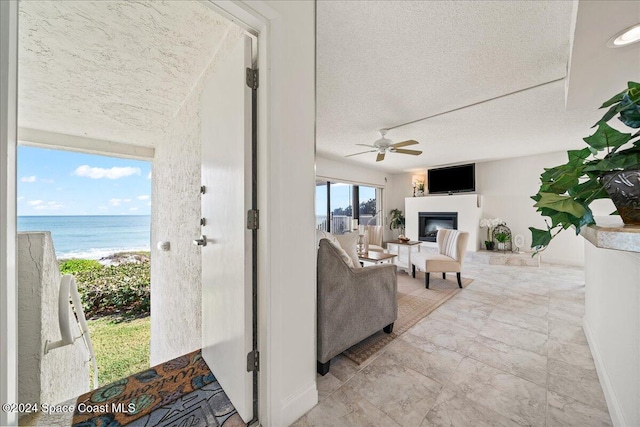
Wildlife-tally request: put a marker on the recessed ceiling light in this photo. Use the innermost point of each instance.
(625, 37)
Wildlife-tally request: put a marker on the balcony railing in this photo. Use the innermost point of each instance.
(340, 224)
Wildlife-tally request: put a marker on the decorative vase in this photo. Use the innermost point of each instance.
(361, 246)
(501, 246)
(490, 245)
(624, 190)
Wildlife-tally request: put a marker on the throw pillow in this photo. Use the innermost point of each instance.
(336, 244)
(349, 243)
(345, 257)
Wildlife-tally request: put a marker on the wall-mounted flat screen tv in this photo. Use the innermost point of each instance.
(453, 179)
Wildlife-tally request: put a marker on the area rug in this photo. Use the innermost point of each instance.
(129, 399)
(414, 303)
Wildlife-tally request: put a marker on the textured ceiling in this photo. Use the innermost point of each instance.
(112, 70)
(593, 65)
(380, 64)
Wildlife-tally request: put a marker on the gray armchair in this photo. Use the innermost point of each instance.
(353, 303)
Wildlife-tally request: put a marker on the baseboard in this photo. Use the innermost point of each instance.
(615, 411)
(299, 403)
(561, 261)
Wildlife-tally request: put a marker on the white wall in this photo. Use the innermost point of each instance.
(287, 271)
(612, 326)
(506, 187)
(466, 205)
(400, 186)
(8, 135)
(176, 292)
(62, 373)
(345, 172)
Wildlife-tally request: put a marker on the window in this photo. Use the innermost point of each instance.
(335, 202)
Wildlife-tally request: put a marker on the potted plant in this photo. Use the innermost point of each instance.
(502, 239)
(490, 223)
(420, 188)
(397, 221)
(609, 166)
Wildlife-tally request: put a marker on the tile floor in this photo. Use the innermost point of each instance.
(509, 349)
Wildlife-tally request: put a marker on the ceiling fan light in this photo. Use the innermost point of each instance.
(625, 37)
(383, 141)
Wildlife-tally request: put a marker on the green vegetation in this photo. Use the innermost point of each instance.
(115, 289)
(502, 237)
(72, 266)
(121, 346)
(397, 220)
(112, 289)
(117, 300)
(567, 190)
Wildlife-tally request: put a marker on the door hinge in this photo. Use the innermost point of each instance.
(253, 361)
(253, 219)
(252, 78)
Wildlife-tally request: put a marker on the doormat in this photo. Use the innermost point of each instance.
(126, 400)
(415, 302)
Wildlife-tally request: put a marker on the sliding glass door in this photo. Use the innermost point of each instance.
(369, 205)
(335, 202)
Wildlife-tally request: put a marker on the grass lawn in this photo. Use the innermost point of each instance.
(121, 346)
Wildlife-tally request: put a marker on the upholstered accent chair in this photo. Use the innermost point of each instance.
(452, 245)
(353, 303)
(373, 235)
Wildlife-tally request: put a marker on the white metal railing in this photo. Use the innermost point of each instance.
(342, 223)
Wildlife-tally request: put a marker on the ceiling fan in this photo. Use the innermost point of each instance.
(384, 145)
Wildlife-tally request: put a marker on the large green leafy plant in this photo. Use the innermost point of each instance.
(397, 220)
(567, 190)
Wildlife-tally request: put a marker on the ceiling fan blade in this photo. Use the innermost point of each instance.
(405, 143)
(412, 152)
(363, 152)
(366, 145)
(380, 157)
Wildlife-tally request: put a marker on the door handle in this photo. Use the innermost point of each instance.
(202, 241)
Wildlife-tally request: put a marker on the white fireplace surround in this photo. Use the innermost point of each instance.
(468, 207)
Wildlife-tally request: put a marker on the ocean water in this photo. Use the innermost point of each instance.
(92, 237)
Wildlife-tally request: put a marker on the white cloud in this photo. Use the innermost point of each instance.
(112, 173)
(20, 198)
(31, 178)
(41, 205)
(118, 202)
(149, 203)
(52, 206)
(149, 176)
(143, 197)
(133, 209)
(46, 181)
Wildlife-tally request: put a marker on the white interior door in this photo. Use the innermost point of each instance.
(227, 258)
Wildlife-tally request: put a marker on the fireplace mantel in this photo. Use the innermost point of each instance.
(466, 205)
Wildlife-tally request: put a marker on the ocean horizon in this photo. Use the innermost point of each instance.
(92, 236)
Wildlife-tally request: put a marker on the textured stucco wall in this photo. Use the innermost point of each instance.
(176, 292)
(63, 372)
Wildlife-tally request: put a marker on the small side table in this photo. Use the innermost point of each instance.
(403, 250)
(376, 257)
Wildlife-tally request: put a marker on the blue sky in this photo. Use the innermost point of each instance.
(55, 182)
(340, 196)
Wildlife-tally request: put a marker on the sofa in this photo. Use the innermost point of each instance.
(353, 302)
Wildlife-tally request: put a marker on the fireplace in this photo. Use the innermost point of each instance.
(430, 222)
